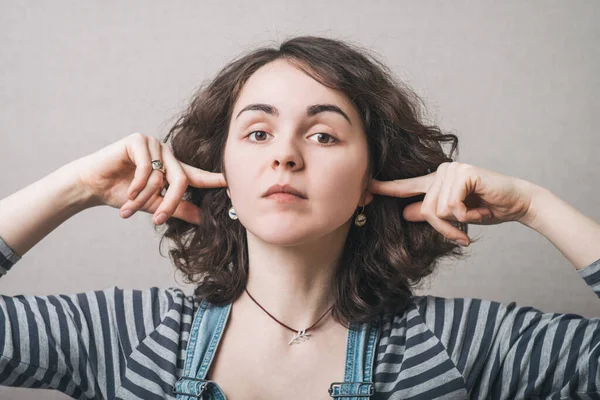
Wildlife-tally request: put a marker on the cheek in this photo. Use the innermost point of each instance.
(339, 185)
(344, 172)
(344, 189)
(242, 175)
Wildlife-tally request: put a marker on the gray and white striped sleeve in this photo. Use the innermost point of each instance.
(506, 351)
(8, 258)
(78, 344)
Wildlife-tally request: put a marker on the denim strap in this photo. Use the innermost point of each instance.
(360, 358)
(205, 334)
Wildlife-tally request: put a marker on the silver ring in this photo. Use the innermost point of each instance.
(158, 165)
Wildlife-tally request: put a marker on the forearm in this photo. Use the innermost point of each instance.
(574, 234)
(27, 216)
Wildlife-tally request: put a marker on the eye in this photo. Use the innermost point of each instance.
(262, 134)
(326, 136)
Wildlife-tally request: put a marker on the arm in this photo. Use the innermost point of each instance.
(27, 216)
(510, 351)
(575, 235)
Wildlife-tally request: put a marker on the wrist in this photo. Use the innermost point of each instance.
(75, 195)
(30, 214)
(570, 231)
(539, 197)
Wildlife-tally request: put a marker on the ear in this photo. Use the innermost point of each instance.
(228, 193)
(368, 198)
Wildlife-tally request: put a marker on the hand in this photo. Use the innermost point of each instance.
(461, 192)
(113, 175)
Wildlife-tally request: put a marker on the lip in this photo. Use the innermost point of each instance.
(284, 198)
(285, 189)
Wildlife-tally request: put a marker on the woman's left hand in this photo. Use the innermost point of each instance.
(461, 192)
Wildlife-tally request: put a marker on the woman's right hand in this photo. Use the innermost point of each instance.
(114, 174)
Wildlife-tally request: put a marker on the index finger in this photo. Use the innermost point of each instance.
(403, 187)
(203, 179)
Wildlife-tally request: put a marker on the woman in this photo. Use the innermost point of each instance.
(298, 296)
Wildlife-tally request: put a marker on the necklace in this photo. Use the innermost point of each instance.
(299, 335)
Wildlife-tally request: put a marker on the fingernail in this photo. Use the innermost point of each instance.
(462, 242)
(133, 195)
(126, 214)
(162, 217)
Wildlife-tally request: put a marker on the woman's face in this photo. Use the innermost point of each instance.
(321, 154)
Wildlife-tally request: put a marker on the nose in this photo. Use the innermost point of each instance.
(287, 156)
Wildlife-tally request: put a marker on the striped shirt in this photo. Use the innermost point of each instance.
(130, 344)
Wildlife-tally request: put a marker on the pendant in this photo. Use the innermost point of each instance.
(299, 337)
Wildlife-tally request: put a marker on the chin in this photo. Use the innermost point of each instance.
(282, 230)
(291, 231)
(284, 240)
(282, 236)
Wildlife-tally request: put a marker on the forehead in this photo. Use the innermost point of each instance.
(286, 86)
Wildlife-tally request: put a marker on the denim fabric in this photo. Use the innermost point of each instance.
(205, 335)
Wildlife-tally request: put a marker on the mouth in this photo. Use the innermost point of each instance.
(284, 198)
(284, 192)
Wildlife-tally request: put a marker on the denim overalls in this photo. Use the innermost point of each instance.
(205, 334)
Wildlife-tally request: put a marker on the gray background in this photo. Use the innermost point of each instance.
(514, 80)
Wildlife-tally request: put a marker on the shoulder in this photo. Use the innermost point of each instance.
(155, 317)
(131, 310)
(460, 322)
(438, 312)
(443, 317)
(159, 300)
(434, 309)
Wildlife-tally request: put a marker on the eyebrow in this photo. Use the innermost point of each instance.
(310, 110)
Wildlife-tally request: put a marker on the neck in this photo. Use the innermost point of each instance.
(294, 283)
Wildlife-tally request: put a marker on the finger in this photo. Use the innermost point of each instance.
(459, 209)
(480, 215)
(154, 183)
(403, 187)
(429, 211)
(412, 212)
(431, 199)
(188, 212)
(139, 154)
(203, 179)
(449, 180)
(185, 210)
(178, 184)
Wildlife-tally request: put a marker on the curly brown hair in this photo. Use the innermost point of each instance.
(383, 261)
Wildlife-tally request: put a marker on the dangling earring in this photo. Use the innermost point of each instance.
(361, 218)
(232, 213)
